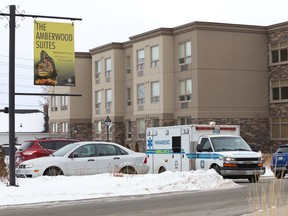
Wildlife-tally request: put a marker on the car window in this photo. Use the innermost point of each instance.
(86, 151)
(60, 144)
(26, 145)
(48, 145)
(107, 150)
(282, 150)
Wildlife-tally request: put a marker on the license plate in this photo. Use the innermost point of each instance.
(249, 172)
(280, 158)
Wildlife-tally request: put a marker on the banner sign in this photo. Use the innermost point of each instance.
(54, 59)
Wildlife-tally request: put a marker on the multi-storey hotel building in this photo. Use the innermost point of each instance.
(191, 74)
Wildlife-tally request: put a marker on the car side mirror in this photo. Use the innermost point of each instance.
(74, 155)
(199, 148)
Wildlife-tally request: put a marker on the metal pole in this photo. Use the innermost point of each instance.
(12, 95)
(107, 133)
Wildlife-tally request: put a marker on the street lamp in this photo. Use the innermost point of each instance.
(107, 123)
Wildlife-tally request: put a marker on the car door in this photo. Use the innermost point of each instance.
(205, 155)
(82, 161)
(109, 158)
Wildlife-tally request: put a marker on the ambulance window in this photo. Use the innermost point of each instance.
(176, 144)
(206, 145)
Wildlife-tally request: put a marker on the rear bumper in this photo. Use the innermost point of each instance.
(241, 173)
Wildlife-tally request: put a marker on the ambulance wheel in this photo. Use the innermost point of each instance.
(161, 170)
(254, 178)
(217, 169)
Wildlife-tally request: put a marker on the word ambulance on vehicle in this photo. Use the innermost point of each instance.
(193, 147)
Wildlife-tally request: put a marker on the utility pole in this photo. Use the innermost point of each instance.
(12, 26)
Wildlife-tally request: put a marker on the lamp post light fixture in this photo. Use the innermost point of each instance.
(107, 123)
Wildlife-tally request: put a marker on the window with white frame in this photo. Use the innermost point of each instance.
(140, 59)
(279, 128)
(108, 96)
(128, 129)
(128, 64)
(154, 56)
(278, 52)
(185, 90)
(155, 92)
(64, 103)
(97, 101)
(97, 69)
(141, 128)
(184, 120)
(279, 90)
(108, 67)
(129, 102)
(155, 122)
(64, 126)
(54, 127)
(185, 53)
(140, 94)
(98, 129)
(54, 103)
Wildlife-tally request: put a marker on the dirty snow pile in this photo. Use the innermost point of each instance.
(67, 188)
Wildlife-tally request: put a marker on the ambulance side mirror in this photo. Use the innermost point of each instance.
(199, 148)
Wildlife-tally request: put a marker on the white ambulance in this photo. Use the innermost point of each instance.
(193, 147)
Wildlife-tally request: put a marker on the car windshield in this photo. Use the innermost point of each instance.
(64, 150)
(229, 144)
(282, 149)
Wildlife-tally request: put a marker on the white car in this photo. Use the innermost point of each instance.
(86, 158)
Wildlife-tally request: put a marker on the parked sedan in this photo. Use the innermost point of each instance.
(279, 162)
(86, 158)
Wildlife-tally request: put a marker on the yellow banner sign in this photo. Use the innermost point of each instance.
(54, 59)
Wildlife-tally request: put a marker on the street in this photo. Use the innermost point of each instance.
(217, 202)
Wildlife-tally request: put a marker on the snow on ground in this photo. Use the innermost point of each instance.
(67, 188)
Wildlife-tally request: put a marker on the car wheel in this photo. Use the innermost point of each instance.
(217, 169)
(161, 170)
(128, 170)
(254, 179)
(53, 171)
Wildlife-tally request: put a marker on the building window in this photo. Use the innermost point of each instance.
(155, 92)
(64, 126)
(141, 128)
(108, 67)
(155, 122)
(64, 103)
(155, 56)
(140, 59)
(97, 69)
(108, 96)
(279, 90)
(185, 90)
(98, 129)
(128, 62)
(140, 94)
(54, 103)
(185, 53)
(278, 52)
(279, 128)
(97, 101)
(128, 129)
(54, 127)
(184, 120)
(129, 102)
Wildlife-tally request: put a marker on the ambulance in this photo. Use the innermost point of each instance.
(194, 147)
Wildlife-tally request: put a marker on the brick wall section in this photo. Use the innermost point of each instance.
(277, 72)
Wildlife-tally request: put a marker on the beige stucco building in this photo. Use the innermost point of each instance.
(194, 73)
